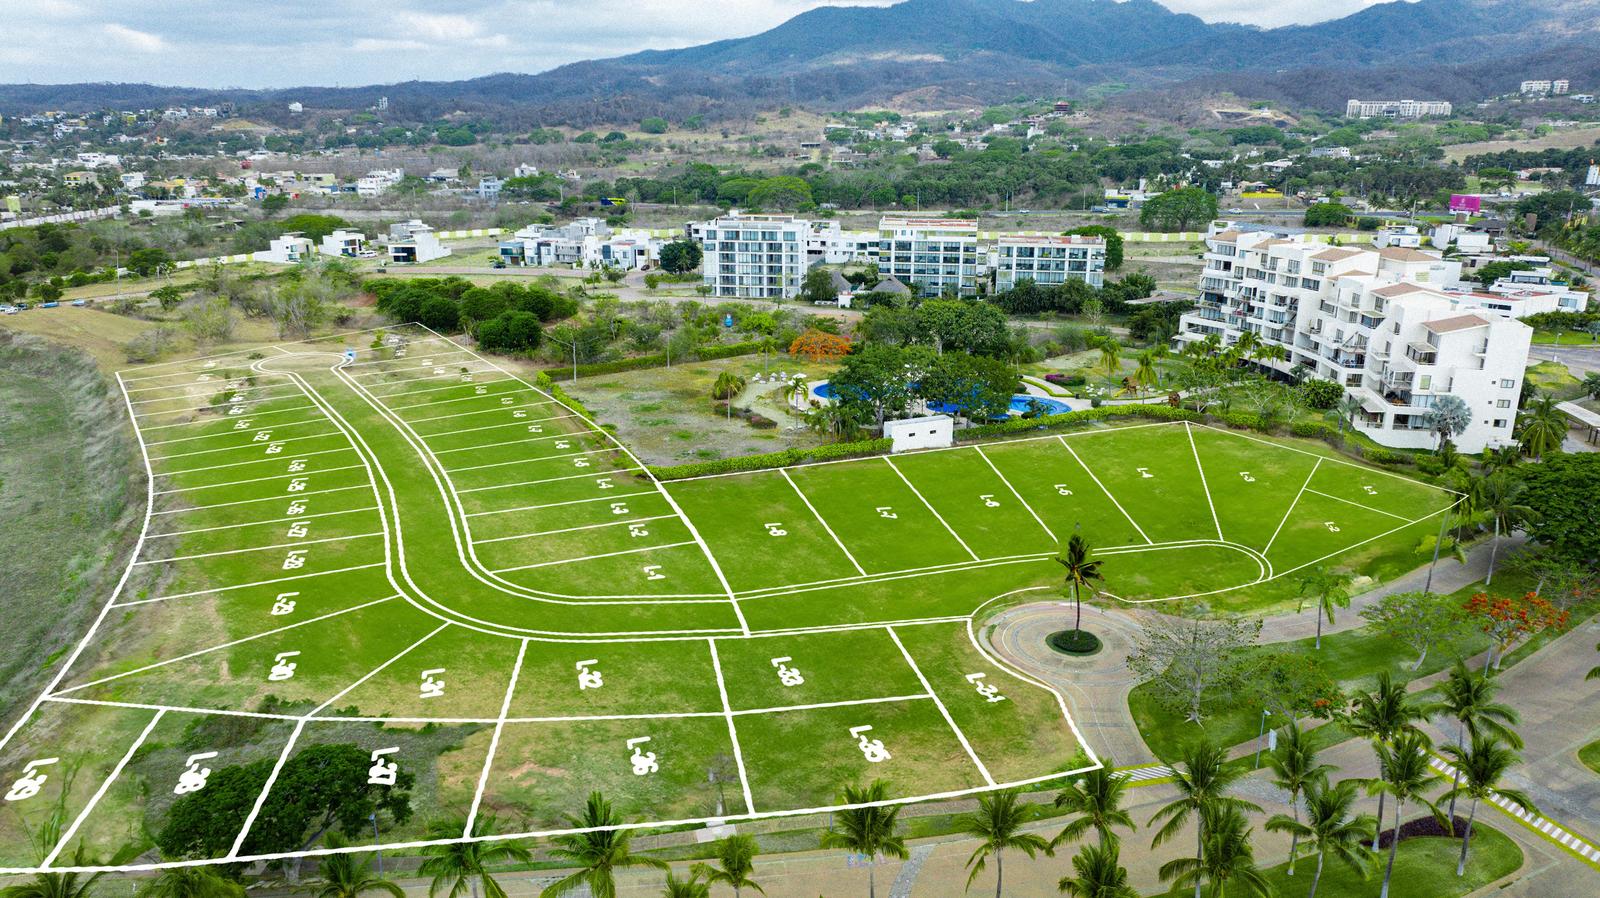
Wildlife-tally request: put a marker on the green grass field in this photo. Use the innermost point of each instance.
(393, 542)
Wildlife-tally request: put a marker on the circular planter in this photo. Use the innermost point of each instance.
(1079, 643)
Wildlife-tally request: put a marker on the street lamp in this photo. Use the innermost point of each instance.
(1259, 733)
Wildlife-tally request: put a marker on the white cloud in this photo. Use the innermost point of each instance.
(385, 45)
(133, 39)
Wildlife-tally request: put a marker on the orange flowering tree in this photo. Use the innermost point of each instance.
(1508, 618)
(820, 346)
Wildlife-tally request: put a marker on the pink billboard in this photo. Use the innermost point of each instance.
(1466, 202)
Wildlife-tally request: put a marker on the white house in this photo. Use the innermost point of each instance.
(377, 183)
(1379, 321)
(931, 432)
(1406, 236)
(286, 250)
(413, 241)
(348, 244)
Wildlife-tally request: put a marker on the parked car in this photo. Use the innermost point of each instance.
(49, 305)
(80, 303)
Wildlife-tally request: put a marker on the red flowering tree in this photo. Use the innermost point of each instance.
(820, 346)
(1507, 619)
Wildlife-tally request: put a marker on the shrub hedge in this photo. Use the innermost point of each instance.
(657, 360)
(773, 459)
(1076, 419)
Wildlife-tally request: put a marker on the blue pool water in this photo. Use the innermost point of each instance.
(1020, 402)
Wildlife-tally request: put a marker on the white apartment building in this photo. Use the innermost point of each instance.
(933, 256)
(830, 244)
(1553, 87)
(756, 256)
(1396, 108)
(286, 250)
(1048, 260)
(1376, 320)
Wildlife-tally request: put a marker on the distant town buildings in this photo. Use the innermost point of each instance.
(1396, 108)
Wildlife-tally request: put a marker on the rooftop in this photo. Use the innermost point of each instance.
(1455, 323)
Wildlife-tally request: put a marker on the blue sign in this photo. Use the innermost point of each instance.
(349, 355)
(727, 321)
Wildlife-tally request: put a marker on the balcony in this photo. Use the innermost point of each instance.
(1422, 353)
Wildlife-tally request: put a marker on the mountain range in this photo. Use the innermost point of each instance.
(942, 52)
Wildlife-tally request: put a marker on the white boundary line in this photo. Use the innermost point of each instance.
(100, 793)
(560, 561)
(235, 432)
(599, 526)
(255, 461)
(457, 386)
(940, 518)
(226, 645)
(206, 486)
(528, 461)
(503, 394)
(494, 741)
(1040, 521)
(937, 703)
(1103, 489)
(224, 418)
(594, 474)
(1292, 505)
(261, 799)
(337, 489)
(521, 422)
(820, 520)
(476, 514)
(312, 436)
(1360, 505)
(1204, 487)
(946, 568)
(548, 436)
(202, 592)
(304, 542)
(304, 517)
(497, 408)
(733, 731)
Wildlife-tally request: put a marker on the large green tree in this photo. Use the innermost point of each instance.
(1179, 210)
(1561, 491)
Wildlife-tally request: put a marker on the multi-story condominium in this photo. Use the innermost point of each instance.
(1048, 260)
(756, 256)
(1395, 108)
(933, 256)
(1545, 86)
(1377, 321)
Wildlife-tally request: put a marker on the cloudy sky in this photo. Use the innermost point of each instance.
(248, 43)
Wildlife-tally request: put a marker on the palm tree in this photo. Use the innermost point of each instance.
(1500, 498)
(1381, 715)
(1406, 775)
(1080, 573)
(737, 857)
(1329, 828)
(727, 386)
(1330, 589)
(1541, 427)
(998, 824)
(191, 882)
(1147, 375)
(1449, 416)
(1295, 770)
(1468, 697)
(598, 853)
(462, 866)
(1226, 858)
(1202, 785)
(1110, 355)
(868, 831)
(1099, 874)
(43, 842)
(1246, 345)
(1478, 773)
(345, 876)
(1347, 409)
(686, 888)
(1096, 797)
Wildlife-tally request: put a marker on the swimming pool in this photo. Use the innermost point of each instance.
(1020, 402)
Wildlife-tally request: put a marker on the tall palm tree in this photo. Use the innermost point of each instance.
(598, 853)
(1147, 375)
(736, 856)
(1330, 589)
(998, 824)
(727, 386)
(1448, 417)
(1541, 427)
(346, 875)
(1080, 573)
(191, 882)
(1110, 355)
(1347, 409)
(1295, 769)
(1330, 829)
(1501, 499)
(1202, 783)
(1098, 874)
(1479, 770)
(1380, 716)
(458, 867)
(686, 888)
(868, 831)
(1406, 776)
(1096, 797)
(1227, 858)
(1467, 696)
